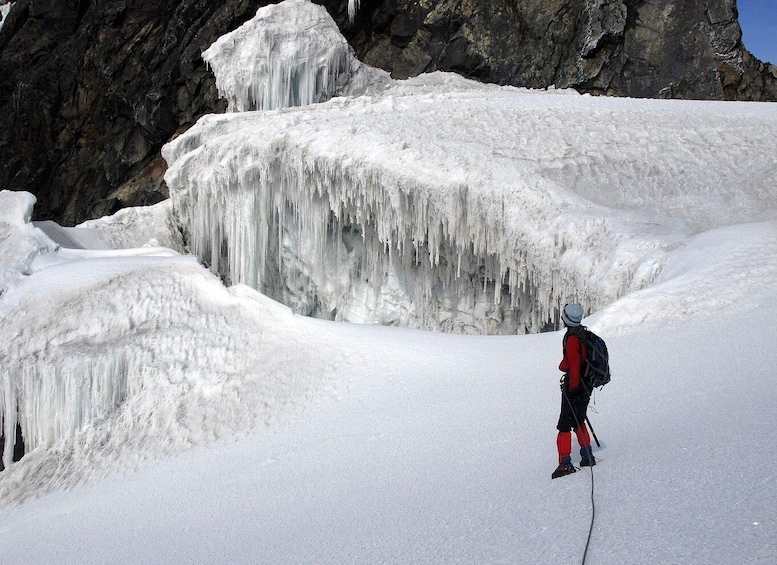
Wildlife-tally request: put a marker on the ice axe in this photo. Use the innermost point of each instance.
(593, 433)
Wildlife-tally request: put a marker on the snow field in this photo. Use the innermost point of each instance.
(173, 419)
(438, 449)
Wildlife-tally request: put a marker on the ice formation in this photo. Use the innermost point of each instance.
(442, 203)
(435, 202)
(290, 54)
(143, 340)
(353, 7)
(5, 9)
(51, 396)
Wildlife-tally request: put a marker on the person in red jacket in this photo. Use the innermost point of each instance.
(574, 396)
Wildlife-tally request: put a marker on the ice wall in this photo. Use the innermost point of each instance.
(447, 204)
(395, 210)
(329, 259)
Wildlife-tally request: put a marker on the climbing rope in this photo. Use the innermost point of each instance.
(590, 468)
(593, 517)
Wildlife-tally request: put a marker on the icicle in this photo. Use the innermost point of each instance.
(52, 401)
(353, 8)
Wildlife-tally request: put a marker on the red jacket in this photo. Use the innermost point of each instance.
(574, 355)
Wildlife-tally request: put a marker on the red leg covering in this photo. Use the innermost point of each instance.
(582, 436)
(564, 444)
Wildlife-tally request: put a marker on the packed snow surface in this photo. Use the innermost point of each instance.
(317, 442)
(170, 418)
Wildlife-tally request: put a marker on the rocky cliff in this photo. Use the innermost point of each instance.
(90, 91)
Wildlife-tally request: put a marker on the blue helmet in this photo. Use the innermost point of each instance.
(572, 315)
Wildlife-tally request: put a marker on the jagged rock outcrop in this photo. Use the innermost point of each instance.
(639, 48)
(90, 91)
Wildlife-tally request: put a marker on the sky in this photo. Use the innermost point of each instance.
(174, 419)
(758, 19)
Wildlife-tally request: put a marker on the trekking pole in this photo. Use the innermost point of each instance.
(593, 433)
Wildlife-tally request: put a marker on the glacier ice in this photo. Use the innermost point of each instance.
(289, 54)
(435, 202)
(134, 352)
(442, 203)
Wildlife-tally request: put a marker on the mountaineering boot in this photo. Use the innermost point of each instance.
(564, 468)
(587, 458)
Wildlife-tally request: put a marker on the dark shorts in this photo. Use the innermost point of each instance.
(573, 412)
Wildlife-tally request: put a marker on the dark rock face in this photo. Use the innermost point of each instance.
(90, 91)
(639, 48)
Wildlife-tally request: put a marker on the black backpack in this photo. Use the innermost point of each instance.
(596, 367)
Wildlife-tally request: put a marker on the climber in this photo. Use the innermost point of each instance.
(574, 396)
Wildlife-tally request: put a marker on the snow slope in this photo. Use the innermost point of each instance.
(172, 419)
(435, 448)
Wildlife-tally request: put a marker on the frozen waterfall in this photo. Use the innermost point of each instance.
(443, 203)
